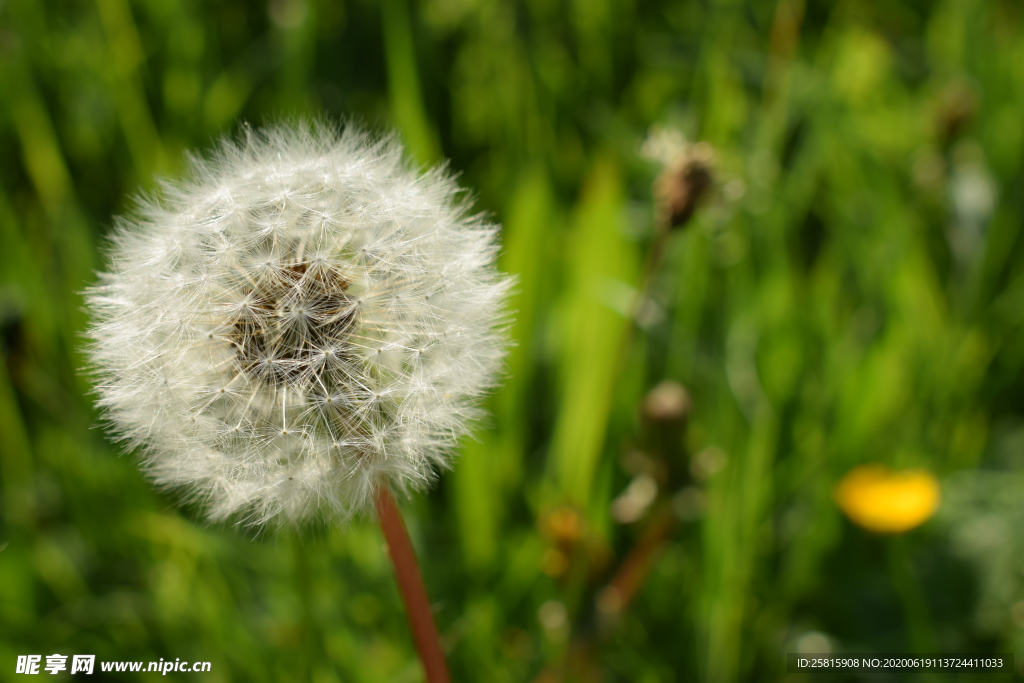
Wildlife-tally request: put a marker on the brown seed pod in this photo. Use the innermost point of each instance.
(683, 184)
(667, 403)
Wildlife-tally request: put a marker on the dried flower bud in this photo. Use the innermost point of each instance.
(563, 525)
(683, 184)
(668, 403)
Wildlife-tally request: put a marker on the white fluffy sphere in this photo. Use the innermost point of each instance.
(301, 318)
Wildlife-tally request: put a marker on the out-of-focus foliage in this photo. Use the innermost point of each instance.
(852, 291)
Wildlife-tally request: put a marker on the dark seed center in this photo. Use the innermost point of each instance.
(295, 318)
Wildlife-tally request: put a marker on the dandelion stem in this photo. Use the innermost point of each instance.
(410, 583)
(652, 263)
(633, 571)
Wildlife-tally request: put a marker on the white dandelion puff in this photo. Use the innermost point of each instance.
(300, 318)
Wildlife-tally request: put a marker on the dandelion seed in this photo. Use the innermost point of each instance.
(255, 332)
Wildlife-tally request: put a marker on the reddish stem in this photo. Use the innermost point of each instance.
(410, 583)
(632, 573)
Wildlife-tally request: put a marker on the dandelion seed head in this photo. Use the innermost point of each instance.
(301, 316)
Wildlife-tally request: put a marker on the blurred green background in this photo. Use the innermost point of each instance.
(851, 291)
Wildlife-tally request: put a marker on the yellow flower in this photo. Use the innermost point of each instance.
(886, 502)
